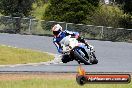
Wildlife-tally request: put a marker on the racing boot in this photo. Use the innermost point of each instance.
(83, 41)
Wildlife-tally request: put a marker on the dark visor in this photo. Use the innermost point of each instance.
(56, 32)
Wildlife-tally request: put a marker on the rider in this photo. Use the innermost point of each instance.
(59, 34)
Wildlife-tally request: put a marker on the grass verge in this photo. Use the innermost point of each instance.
(49, 81)
(10, 55)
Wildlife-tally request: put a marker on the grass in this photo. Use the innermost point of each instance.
(10, 55)
(53, 81)
(1, 14)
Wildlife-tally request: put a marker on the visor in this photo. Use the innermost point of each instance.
(56, 32)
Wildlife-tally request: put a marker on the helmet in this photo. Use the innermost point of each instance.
(56, 29)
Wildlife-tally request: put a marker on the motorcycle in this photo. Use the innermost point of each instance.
(75, 50)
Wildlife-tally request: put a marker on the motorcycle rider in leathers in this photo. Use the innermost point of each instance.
(59, 34)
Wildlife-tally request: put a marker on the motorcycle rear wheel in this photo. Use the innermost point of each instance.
(95, 61)
(81, 58)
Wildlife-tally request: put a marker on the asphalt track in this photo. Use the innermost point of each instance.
(112, 56)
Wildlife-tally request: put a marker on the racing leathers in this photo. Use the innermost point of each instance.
(60, 36)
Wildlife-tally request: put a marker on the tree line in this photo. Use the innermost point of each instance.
(75, 11)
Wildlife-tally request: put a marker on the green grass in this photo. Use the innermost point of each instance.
(9, 55)
(1, 14)
(55, 83)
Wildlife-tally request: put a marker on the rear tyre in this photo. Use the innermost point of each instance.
(95, 61)
(81, 58)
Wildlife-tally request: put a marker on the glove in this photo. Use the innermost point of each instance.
(76, 35)
(60, 50)
(81, 39)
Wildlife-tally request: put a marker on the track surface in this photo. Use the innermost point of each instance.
(112, 56)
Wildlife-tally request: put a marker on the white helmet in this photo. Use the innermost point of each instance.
(56, 29)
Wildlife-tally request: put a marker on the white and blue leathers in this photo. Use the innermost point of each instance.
(60, 36)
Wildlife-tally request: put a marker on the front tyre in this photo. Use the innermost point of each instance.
(65, 58)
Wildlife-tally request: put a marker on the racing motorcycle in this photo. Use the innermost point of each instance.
(75, 50)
